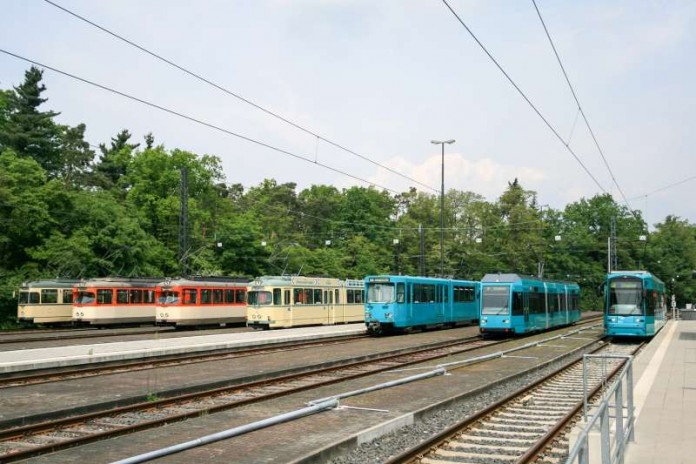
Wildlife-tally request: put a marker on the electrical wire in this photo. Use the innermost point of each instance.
(683, 181)
(536, 110)
(235, 95)
(582, 112)
(197, 121)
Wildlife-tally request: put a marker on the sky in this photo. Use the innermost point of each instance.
(382, 79)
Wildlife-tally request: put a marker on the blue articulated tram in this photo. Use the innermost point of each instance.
(517, 304)
(397, 303)
(635, 304)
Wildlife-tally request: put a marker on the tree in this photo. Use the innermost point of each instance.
(76, 155)
(27, 130)
(671, 256)
(113, 161)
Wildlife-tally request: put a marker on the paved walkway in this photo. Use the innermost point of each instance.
(20, 360)
(665, 396)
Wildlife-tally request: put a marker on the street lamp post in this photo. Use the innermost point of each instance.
(442, 205)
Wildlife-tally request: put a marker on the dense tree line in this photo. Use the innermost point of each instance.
(68, 211)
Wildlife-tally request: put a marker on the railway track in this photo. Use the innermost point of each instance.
(20, 336)
(33, 440)
(529, 426)
(69, 373)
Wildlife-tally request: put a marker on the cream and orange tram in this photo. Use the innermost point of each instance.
(201, 301)
(114, 300)
(292, 301)
(46, 301)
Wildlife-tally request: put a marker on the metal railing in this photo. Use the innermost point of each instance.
(611, 451)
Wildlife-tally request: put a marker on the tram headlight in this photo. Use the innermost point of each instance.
(388, 315)
(639, 320)
(506, 321)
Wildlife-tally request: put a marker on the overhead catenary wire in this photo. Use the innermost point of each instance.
(237, 96)
(666, 187)
(582, 112)
(524, 96)
(196, 120)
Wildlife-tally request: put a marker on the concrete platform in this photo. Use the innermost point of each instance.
(41, 358)
(665, 398)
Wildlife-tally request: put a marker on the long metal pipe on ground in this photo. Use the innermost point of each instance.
(229, 433)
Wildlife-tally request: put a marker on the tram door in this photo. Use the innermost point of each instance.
(525, 308)
(440, 300)
(328, 304)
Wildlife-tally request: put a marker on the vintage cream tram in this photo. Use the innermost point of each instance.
(292, 301)
(199, 301)
(46, 301)
(114, 300)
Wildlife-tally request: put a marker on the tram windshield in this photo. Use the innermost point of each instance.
(496, 300)
(85, 298)
(380, 293)
(28, 297)
(168, 297)
(259, 297)
(626, 297)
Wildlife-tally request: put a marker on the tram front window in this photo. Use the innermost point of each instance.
(625, 298)
(28, 297)
(258, 297)
(168, 298)
(85, 298)
(496, 300)
(380, 293)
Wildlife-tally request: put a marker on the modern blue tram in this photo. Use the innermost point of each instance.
(396, 303)
(516, 304)
(635, 304)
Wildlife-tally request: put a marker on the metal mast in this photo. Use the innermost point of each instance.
(183, 221)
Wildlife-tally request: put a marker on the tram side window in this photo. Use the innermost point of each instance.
(240, 295)
(400, 293)
(423, 293)
(308, 296)
(650, 303)
(104, 296)
(463, 294)
(286, 297)
(190, 296)
(136, 296)
(28, 297)
(229, 296)
(206, 296)
(149, 296)
(536, 303)
(122, 296)
(317, 296)
(67, 296)
(49, 295)
(217, 296)
(517, 304)
(354, 296)
(277, 294)
(336, 296)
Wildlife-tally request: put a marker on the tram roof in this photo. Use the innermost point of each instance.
(639, 274)
(50, 283)
(512, 278)
(287, 280)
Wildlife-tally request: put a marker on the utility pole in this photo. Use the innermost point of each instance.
(442, 205)
(183, 221)
(422, 250)
(612, 249)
